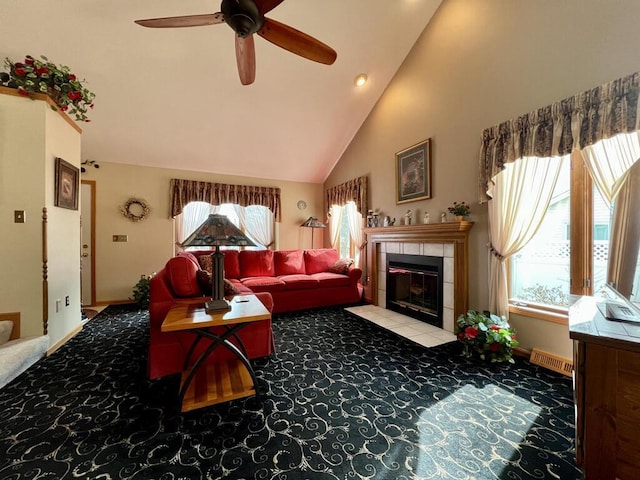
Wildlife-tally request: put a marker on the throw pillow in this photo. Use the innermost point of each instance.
(341, 266)
(6, 326)
(230, 289)
(205, 263)
(204, 280)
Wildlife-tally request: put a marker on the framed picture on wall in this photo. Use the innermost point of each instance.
(413, 173)
(67, 185)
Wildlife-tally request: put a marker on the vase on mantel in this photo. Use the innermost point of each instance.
(459, 218)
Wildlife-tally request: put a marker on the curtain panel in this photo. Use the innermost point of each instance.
(355, 190)
(186, 191)
(556, 130)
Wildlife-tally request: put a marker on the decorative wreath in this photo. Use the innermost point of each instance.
(138, 213)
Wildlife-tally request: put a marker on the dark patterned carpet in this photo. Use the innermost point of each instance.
(343, 400)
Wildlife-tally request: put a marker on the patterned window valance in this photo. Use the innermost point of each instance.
(186, 191)
(557, 129)
(354, 190)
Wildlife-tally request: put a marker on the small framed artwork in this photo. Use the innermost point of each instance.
(66, 188)
(413, 173)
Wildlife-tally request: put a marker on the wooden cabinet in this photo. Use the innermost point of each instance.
(607, 393)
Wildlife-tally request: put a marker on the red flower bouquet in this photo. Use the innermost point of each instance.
(486, 335)
(36, 76)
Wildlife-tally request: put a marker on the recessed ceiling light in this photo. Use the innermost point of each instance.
(360, 80)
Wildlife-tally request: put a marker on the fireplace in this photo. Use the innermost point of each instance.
(414, 286)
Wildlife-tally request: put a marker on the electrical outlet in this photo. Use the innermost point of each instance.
(120, 238)
(66, 301)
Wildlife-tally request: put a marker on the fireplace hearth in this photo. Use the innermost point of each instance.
(414, 286)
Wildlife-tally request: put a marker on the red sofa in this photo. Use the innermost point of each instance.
(284, 281)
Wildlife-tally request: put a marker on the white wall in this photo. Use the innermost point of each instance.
(22, 133)
(31, 136)
(63, 231)
(479, 63)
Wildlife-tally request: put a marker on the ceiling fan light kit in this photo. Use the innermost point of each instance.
(246, 17)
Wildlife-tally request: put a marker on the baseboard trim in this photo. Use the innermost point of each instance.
(522, 352)
(64, 340)
(111, 302)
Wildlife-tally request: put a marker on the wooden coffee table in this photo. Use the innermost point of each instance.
(205, 384)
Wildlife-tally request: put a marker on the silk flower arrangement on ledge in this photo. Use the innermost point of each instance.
(43, 76)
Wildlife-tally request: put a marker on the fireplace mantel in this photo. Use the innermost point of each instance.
(455, 234)
(437, 231)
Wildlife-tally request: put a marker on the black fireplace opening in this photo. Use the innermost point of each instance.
(414, 286)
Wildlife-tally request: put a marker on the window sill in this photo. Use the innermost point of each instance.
(554, 316)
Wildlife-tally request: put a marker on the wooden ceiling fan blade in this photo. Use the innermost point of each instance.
(297, 42)
(246, 59)
(183, 21)
(265, 6)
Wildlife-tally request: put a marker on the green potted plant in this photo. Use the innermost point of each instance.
(141, 291)
(43, 76)
(459, 210)
(486, 335)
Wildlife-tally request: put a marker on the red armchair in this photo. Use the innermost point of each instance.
(167, 350)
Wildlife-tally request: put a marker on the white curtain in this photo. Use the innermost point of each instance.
(259, 224)
(609, 161)
(519, 198)
(354, 219)
(242, 217)
(191, 218)
(256, 221)
(335, 220)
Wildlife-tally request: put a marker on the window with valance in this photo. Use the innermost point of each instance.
(185, 191)
(355, 191)
(346, 203)
(522, 159)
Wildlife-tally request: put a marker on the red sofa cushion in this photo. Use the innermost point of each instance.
(231, 264)
(264, 284)
(320, 259)
(256, 263)
(181, 272)
(299, 282)
(288, 262)
(328, 279)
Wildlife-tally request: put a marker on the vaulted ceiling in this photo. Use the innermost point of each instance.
(172, 97)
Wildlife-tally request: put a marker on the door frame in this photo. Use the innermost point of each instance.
(92, 246)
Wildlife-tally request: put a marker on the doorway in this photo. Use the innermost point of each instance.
(87, 242)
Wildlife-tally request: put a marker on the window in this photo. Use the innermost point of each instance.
(347, 221)
(255, 221)
(569, 252)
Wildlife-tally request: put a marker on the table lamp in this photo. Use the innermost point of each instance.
(217, 231)
(313, 223)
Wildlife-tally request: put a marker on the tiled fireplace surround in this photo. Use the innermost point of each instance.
(447, 240)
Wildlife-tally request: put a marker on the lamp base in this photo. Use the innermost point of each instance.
(216, 305)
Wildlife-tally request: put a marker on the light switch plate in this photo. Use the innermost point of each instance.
(18, 216)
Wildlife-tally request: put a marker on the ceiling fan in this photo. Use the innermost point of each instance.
(246, 17)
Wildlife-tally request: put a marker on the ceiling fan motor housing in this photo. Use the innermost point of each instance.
(242, 16)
